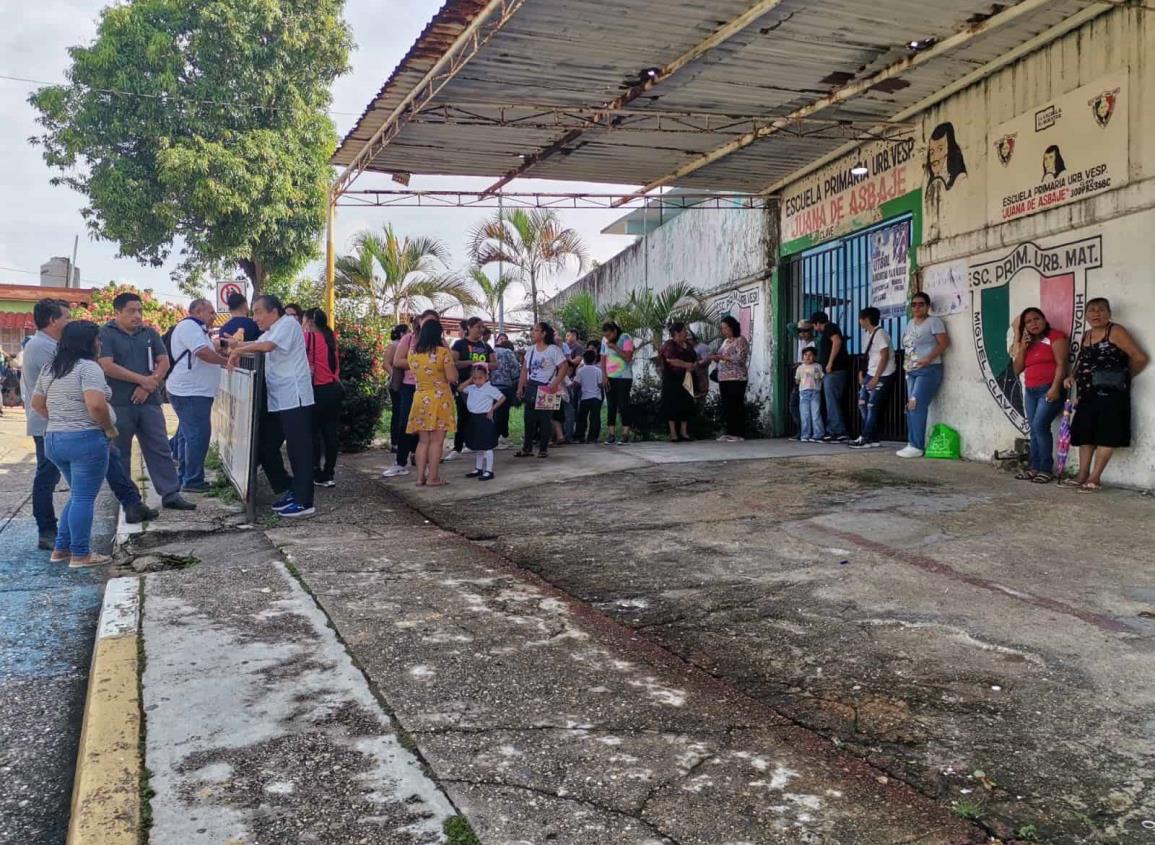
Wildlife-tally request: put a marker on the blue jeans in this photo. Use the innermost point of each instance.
(869, 402)
(48, 476)
(1041, 415)
(921, 387)
(810, 414)
(82, 457)
(196, 427)
(834, 386)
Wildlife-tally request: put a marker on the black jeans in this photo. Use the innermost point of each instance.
(294, 428)
(326, 420)
(618, 400)
(462, 416)
(501, 415)
(589, 421)
(538, 424)
(395, 429)
(406, 443)
(733, 396)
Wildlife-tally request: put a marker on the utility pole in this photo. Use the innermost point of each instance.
(72, 265)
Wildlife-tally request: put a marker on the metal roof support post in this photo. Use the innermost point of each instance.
(487, 23)
(843, 93)
(602, 116)
(331, 261)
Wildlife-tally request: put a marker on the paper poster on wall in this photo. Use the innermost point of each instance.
(837, 199)
(1052, 278)
(946, 285)
(1068, 149)
(890, 267)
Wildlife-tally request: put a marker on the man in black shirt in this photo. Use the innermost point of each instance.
(835, 360)
(467, 352)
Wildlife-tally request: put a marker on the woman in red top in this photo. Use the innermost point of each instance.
(1041, 359)
(324, 363)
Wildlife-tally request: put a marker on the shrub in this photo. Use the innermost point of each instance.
(646, 403)
(363, 376)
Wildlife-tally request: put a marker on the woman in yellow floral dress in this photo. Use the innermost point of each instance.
(434, 413)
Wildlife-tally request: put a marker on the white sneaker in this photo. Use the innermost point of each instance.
(909, 451)
(734, 438)
(395, 472)
(451, 455)
(723, 438)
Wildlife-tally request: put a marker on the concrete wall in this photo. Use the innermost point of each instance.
(1080, 247)
(727, 253)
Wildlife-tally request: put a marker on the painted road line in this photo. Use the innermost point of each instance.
(106, 795)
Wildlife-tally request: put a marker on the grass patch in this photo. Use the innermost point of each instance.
(459, 832)
(213, 459)
(969, 810)
(1027, 833)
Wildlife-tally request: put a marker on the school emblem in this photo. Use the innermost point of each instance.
(1005, 147)
(1051, 278)
(1103, 106)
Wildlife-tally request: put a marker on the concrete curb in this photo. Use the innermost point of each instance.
(106, 793)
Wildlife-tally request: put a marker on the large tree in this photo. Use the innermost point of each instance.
(202, 124)
(398, 275)
(534, 244)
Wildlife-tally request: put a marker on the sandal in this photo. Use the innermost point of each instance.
(521, 453)
(1042, 478)
(1072, 483)
(1090, 487)
(1025, 475)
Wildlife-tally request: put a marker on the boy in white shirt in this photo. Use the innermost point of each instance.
(590, 380)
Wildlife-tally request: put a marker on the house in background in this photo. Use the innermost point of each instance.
(16, 303)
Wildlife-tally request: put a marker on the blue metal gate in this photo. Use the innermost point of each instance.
(835, 277)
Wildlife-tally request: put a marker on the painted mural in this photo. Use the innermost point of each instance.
(1069, 149)
(1051, 278)
(740, 305)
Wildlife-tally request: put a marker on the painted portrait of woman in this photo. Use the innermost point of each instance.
(944, 157)
(1053, 164)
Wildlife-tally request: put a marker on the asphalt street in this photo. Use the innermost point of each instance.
(48, 616)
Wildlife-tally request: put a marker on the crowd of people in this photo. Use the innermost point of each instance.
(467, 390)
(1100, 377)
(96, 390)
(93, 391)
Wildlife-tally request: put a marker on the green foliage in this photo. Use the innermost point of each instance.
(1028, 833)
(580, 312)
(493, 292)
(970, 810)
(650, 423)
(306, 292)
(203, 121)
(532, 242)
(363, 377)
(459, 832)
(396, 276)
(158, 314)
(647, 315)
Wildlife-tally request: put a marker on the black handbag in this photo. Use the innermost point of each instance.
(1110, 380)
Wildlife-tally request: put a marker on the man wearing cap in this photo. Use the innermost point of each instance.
(835, 359)
(805, 339)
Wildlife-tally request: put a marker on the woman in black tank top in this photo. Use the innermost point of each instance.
(1109, 358)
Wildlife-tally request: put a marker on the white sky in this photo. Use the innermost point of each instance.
(38, 221)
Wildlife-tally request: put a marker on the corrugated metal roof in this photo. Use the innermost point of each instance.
(581, 54)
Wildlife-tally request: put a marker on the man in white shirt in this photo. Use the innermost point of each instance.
(289, 415)
(875, 383)
(192, 387)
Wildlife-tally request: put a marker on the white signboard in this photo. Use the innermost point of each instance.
(234, 412)
(1068, 149)
(224, 291)
(890, 267)
(835, 200)
(946, 285)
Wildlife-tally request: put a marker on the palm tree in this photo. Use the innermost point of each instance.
(648, 315)
(493, 294)
(533, 242)
(397, 275)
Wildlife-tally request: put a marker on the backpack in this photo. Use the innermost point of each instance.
(167, 338)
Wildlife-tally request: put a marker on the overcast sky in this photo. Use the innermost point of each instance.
(38, 221)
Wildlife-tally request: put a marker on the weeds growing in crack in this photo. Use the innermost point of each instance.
(969, 810)
(458, 831)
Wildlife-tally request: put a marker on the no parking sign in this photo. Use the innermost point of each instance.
(224, 291)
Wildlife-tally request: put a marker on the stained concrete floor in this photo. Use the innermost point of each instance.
(985, 641)
(48, 618)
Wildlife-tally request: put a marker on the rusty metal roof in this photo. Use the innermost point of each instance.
(557, 60)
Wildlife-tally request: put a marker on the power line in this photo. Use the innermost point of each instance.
(162, 97)
(37, 273)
